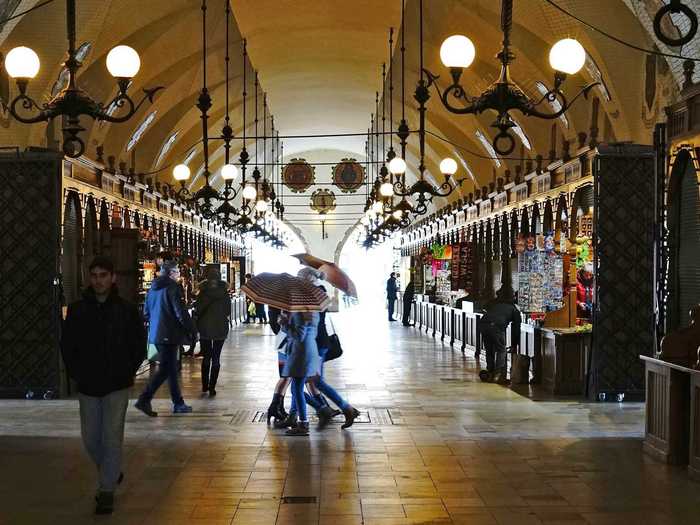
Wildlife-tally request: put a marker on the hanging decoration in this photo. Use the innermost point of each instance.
(298, 175)
(348, 175)
(322, 201)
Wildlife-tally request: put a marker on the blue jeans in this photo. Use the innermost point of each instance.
(166, 370)
(327, 389)
(102, 428)
(298, 397)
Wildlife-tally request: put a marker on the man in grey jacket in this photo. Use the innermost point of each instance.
(169, 326)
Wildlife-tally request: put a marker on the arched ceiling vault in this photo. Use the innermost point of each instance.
(320, 64)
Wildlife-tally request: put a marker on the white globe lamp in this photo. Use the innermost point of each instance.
(181, 172)
(397, 166)
(457, 51)
(229, 172)
(567, 56)
(261, 206)
(22, 62)
(249, 193)
(448, 166)
(386, 189)
(123, 62)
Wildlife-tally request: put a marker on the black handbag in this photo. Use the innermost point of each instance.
(335, 350)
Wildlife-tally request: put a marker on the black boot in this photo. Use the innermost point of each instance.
(276, 409)
(105, 503)
(325, 415)
(213, 378)
(300, 429)
(287, 422)
(351, 413)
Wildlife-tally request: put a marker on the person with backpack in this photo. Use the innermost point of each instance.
(103, 344)
(499, 314)
(169, 326)
(212, 311)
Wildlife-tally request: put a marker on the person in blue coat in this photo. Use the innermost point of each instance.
(302, 362)
(169, 326)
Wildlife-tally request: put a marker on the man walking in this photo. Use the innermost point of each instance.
(391, 294)
(103, 343)
(169, 327)
(499, 314)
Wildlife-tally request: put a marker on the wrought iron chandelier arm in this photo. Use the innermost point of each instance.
(454, 91)
(28, 104)
(555, 95)
(123, 99)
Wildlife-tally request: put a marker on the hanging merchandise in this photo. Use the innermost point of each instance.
(540, 281)
(455, 267)
(583, 251)
(467, 276)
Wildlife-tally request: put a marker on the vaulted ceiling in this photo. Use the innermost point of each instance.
(320, 65)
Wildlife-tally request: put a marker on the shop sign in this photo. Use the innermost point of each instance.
(485, 207)
(500, 201)
(472, 213)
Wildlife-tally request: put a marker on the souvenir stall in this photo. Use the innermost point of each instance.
(541, 235)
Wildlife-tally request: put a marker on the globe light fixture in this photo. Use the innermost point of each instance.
(386, 189)
(123, 62)
(22, 63)
(448, 166)
(181, 172)
(249, 192)
(567, 56)
(397, 214)
(229, 172)
(457, 51)
(71, 103)
(377, 207)
(397, 166)
(261, 206)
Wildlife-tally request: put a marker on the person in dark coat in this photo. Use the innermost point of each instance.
(103, 343)
(408, 296)
(499, 314)
(212, 310)
(169, 326)
(391, 290)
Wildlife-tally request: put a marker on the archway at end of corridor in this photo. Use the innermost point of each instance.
(265, 258)
(369, 269)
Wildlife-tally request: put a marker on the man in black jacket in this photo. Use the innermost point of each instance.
(103, 344)
(391, 290)
(169, 326)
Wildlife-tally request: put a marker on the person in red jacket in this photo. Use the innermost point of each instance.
(584, 291)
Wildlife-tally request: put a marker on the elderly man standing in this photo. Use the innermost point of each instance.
(170, 326)
(103, 344)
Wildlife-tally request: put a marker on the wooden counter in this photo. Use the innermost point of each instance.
(672, 430)
(565, 355)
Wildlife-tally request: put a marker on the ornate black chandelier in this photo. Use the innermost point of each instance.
(457, 52)
(675, 7)
(123, 63)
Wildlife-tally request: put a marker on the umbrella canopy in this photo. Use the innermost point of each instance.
(286, 292)
(334, 274)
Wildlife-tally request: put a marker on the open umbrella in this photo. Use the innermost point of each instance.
(334, 275)
(286, 292)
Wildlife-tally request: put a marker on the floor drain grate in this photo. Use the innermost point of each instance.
(298, 499)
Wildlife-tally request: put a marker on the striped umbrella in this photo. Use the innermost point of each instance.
(286, 292)
(334, 274)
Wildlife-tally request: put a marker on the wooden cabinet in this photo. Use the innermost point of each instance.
(694, 453)
(565, 361)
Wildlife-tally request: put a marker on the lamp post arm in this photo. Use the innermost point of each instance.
(552, 95)
(456, 91)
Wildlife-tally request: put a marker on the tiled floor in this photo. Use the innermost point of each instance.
(440, 447)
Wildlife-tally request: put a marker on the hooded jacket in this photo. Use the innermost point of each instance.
(169, 323)
(103, 344)
(212, 310)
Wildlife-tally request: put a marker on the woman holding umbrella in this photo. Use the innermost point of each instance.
(325, 413)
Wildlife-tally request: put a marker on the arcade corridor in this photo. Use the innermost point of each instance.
(434, 445)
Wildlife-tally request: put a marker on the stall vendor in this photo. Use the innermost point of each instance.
(584, 291)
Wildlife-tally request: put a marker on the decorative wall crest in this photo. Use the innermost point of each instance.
(348, 175)
(322, 201)
(298, 175)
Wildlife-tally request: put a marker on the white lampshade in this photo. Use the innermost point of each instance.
(397, 214)
(397, 166)
(377, 207)
(457, 51)
(249, 193)
(567, 56)
(448, 166)
(181, 172)
(386, 189)
(261, 206)
(229, 172)
(123, 62)
(22, 62)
